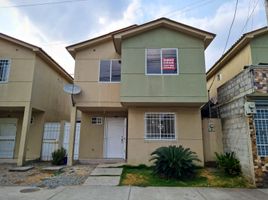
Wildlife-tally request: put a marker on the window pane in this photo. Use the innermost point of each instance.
(153, 61)
(104, 71)
(261, 126)
(152, 126)
(116, 70)
(167, 126)
(4, 68)
(169, 61)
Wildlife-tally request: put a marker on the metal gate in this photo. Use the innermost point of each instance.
(50, 140)
(8, 128)
(76, 141)
(261, 126)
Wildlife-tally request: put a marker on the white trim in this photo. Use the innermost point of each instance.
(110, 81)
(177, 60)
(8, 70)
(160, 139)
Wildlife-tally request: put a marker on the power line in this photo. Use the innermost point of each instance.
(249, 16)
(230, 29)
(42, 4)
(188, 7)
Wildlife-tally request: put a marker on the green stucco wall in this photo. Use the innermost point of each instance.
(188, 86)
(259, 49)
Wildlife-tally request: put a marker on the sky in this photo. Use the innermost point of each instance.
(55, 24)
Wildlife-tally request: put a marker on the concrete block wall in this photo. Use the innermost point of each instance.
(235, 131)
(238, 86)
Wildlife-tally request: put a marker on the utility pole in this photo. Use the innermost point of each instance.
(266, 10)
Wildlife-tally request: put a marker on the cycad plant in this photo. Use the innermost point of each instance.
(174, 162)
(228, 163)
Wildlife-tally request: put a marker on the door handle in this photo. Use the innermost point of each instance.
(122, 139)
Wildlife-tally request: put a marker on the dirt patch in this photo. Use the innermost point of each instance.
(36, 177)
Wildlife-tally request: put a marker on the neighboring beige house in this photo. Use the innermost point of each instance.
(142, 88)
(31, 93)
(238, 85)
(246, 51)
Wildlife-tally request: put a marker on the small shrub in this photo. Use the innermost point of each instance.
(59, 156)
(228, 163)
(174, 162)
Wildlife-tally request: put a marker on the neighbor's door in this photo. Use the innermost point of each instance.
(8, 128)
(115, 136)
(50, 140)
(67, 127)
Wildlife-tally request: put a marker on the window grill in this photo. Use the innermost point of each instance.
(159, 126)
(261, 125)
(4, 70)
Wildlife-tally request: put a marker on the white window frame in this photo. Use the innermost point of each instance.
(7, 71)
(159, 139)
(161, 74)
(111, 61)
(99, 120)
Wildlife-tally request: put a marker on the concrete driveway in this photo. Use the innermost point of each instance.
(133, 193)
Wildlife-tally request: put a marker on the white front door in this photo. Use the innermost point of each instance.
(115, 138)
(50, 140)
(8, 128)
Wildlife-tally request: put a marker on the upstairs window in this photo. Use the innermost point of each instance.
(4, 70)
(162, 61)
(110, 71)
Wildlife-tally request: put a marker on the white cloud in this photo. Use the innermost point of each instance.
(102, 20)
(21, 27)
(132, 14)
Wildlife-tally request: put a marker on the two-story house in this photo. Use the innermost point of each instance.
(237, 84)
(142, 88)
(31, 93)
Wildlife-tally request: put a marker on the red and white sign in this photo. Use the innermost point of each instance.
(169, 64)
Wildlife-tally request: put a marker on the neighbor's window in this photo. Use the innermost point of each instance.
(261, 125)
(159, 126)
(219, 77)
(110, 71)
(4, 70)
(162, 61)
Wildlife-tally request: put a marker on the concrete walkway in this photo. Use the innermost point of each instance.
(133, 193)
(104, 175)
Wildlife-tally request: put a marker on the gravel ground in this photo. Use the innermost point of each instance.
(36, 177)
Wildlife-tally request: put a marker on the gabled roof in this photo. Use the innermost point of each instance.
(234, 49)
(207, 37)
(41, 53)
(103, 38)
(130, 31)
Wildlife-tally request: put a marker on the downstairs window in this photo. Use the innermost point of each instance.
(160, 126)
